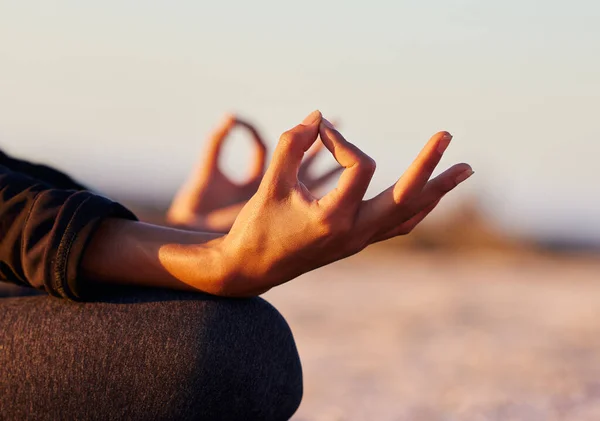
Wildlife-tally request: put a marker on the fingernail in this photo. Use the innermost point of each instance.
(312, 118)
(327, 124)
(444, 142)
(464, 175)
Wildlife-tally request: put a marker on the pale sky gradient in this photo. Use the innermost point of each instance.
(121, 93)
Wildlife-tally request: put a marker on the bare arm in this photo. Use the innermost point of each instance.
(140, 254)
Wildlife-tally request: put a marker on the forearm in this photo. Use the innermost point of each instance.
(140, 254)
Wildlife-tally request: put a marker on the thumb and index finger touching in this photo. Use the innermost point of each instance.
(290, 150)
(358, 167)
(293, 144)
(413, 192)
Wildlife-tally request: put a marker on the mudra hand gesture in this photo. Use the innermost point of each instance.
(284, 230)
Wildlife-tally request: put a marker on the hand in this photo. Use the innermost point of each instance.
(284, 231)
(210, 201)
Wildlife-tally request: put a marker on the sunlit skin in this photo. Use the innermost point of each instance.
(210, 201)
(283, 231)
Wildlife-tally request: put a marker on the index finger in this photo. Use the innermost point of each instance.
(359, 168)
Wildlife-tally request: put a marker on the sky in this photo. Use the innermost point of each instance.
(121, 94)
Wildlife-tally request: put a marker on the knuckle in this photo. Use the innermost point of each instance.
(269, 191)
(445, 185)
(334, 225)
(345, 226)
(292, 139)
(327, 230)
(430, 165)
(327, 224)
(286, 140)
(367, 164)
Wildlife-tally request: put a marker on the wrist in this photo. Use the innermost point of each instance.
(245, 270)
(226, 264)
(198, 262)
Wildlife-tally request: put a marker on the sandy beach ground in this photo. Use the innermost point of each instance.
(405, 336)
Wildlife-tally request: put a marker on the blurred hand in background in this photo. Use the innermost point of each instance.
(210, 201)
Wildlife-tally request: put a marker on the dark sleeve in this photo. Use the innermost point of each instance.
(40, 172)
(44, 231)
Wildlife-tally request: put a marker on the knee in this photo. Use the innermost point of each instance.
(241, 361)
(252, 358)
(153, 355)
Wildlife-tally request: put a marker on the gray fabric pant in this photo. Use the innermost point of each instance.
(146, 355)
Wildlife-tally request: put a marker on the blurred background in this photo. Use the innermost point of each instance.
(491, 309)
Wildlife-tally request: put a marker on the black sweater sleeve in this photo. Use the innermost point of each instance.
(44, 230)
